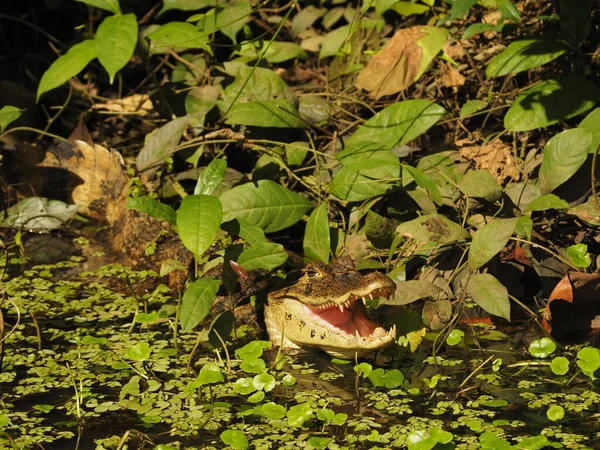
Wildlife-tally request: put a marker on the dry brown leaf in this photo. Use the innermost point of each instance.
(395, 67)
(99, 182)
(134, 104)
(495, 157)
(452, 77)
(574, 306)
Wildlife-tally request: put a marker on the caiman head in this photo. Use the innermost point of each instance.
(324, 308)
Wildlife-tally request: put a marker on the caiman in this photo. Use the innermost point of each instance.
(323, 309)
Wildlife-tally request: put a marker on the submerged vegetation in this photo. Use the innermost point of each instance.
(215, 146)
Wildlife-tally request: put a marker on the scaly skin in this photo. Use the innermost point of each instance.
(323, 309)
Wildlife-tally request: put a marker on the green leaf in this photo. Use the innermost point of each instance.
(370, 160)
(209, 374)
(319, 442)
(252, 350)
(139, 352)
(111, 6)
(555, 412)
(314, 109)
(277, 113)
(455, 337)
(489, 240)
(268, 255)
(38, 212)
(115, 41)
(460, 8)
(480, 184)
(551, 101)
(546, 202)
(578, 254)
(490, 294)
(349, 185)
(317, 241)
(252, 234)
(542, 348)
(564, 154)
(526, 54)
(475, 29)
(524, 226)
(153, 208)
(433, 229)
(334, 40)
(67, 66)
(231, 18)
(266, 204)
(588, 360)
(431, 44)
(161, 143)
(425, 182)
(508, 10)
(244, 386)
(409, 9)
(211, 177)
(186, 5)
(237, 440)
(274, 52)
(8, 114)
(298, 414)
(197, 302)
(471, 107)
(559, 365)
(198, 220)
(264, 382)
(591, 123)
(426, 440)
(256, 365)
(391, 379)
(179, 34)
(399, 123)
(575, 20)
(296, 152)
(273, 411)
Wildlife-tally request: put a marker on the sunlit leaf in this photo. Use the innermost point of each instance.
(197, 302)
(111, 6)
(480, 184)
(67, 66)
(161, 143)
(471, 107)
(153, 208)
(179, 34)
(316, 242)
(198, 220)
(8, 114)
(277, 113)
(542, 348)
(267, 255)
(546, 202)
(266, 204)
(115, 40)
(211, 177)
(489, 240)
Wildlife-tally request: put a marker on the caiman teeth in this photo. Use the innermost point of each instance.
(371, 296)
(341, 308)
(356, 334)
(364, 301)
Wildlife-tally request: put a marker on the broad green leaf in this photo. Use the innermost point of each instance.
(153, 208)
(399, 123)
(264, 382)
(425, 440)
(274, 52)
(588, 360)
(524, 226)
(8, 114)
(186, 5)
(575, 20)
(578, 254)
(228, 18)
(198, 220)
(460, 8)
(67, 66)
(380, 231)
(252, 234)
(409, 9)
(526, 54)
(115, 41)
(252, 84)
(555, 412)
(480, 184)
(412, 290)
(551, 101)
(349, 185)
(304, 19)
(490, 294)
(179, 34)
(296, 152)
(546, 202)
(244, 386)
(197, 302)
(564, 154)
(209, 374)
(252, 350)
(267, 255)
(266, 113)
(273, 411)
(542, 348)
(559, 365)
(489, 240)
(266, 204)
(471, 107)
(425, 182)
(508, 10)
(316, 234)
(475, 29)
(522, 194)
(298, 414)
(161, 143)
(334, 40)
(38, 212)
(139, 352)
(211, 177)
(111, 6)
(431, 44)
(314, 109)
(591, 123)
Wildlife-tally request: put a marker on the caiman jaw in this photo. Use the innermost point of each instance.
(337, 323)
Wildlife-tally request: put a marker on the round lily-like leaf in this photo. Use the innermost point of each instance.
(273, 411)
(559, 365)
(209, 374)
(264, 382)
(542, 348)
(578, 254)
(244, 386)
(298, 414)
(235, 439)
(139, 352)
(256, 365)
(555, 412)
(252, 350)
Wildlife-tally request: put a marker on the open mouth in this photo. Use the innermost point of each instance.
(350, 317)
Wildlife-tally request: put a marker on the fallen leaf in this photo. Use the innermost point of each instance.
(452, 77)
(134, 104)
(495, 157)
